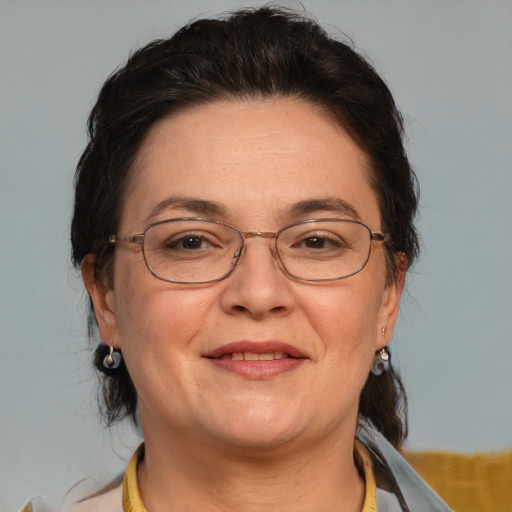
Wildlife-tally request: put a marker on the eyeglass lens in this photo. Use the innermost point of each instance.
(199, 251)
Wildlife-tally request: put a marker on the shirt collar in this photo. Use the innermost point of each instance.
(133, 503)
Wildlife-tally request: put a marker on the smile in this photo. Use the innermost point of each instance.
(256, 351)
(257, 360)
(253, 356)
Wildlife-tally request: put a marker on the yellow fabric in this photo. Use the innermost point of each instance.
(131, 496)
(365, 459)
(133, 503)
(467, 483)
(27, 508)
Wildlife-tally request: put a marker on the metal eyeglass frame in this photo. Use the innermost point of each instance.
(138, 238)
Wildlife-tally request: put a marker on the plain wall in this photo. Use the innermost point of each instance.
(448, 64)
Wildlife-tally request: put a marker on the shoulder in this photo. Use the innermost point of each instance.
(110, 498)
(110, 501)
(395, 475)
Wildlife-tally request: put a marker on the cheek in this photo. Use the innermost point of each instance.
(158, 328)
(153, 314)
(345, 317)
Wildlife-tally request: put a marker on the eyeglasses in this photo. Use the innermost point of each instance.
(199, 251)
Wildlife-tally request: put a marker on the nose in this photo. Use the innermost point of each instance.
(258, 287)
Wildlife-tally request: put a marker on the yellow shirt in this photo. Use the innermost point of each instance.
(133, 503)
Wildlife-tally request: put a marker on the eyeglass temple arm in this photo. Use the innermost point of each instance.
(379, 237)
(133, 239)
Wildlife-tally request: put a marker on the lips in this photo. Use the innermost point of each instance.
(254, 356)
(252, 351)
(257, 360)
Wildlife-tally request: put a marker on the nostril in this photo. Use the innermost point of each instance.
(278, 310)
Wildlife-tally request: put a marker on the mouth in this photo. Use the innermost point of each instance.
(257, 360)
(254, 356)
(256, 351)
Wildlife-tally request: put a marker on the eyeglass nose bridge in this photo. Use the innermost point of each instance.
(256, 234)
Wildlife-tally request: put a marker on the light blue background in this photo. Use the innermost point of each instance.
(449, 65)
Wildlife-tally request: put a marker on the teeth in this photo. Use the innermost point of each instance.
(253, 356)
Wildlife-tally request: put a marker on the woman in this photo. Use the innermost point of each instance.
(244, 224)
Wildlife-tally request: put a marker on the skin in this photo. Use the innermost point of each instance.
(217, 440)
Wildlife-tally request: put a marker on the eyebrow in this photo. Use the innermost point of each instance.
(193, 204)
(330, 204)
(211, 208)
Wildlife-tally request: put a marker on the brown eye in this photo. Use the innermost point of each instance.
(314, 242)
(323, 241)
(188, 242)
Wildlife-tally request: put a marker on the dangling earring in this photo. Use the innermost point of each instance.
(380, 362)
(112, 360)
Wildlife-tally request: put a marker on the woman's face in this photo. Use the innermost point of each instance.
(249, 164)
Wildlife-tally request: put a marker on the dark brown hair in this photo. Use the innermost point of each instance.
(266, 52)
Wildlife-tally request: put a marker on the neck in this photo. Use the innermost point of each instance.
(199, 476)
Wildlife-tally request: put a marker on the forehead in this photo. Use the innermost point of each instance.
(252, 158)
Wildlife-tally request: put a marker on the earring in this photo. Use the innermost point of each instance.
(112, 360)
(384, 329)
(380, 362)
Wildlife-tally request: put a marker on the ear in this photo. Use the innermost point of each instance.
(103, 302)
(390, 306)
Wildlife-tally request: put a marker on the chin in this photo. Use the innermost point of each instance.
(259, 444)
(260, 428)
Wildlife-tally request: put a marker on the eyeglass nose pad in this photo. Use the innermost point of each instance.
(238, 253)
(273, 247)
(274, 252)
